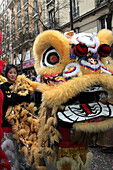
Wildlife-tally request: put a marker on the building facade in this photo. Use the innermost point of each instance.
(22, 20)
(24, 26)
(82, 15)
(78, 15)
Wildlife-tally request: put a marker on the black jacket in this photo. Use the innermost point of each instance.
(10, 99)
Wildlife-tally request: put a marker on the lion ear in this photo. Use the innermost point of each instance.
(105, 36)
(69, 34)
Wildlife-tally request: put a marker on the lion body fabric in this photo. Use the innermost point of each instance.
(76, 102)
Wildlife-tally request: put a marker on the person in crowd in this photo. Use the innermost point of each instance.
(11, 99)
(32, 77)
(2, 78)
(9, 145)
(36, 96)
(4, 164)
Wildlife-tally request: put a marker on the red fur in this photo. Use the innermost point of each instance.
(5, 163)
(1, 66)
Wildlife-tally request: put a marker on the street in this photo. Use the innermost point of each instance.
(101, 161)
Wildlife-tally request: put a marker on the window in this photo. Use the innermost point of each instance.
(27, 55)
(13, 43)
(26, 33)
(103, 23)
(19, 22)
(75, 8)
(13, 30)
(7, 16)
(24, 1)
(36, 28)
(99, 2)
(51, 18)
(13, 13)
(35, 9)
(47, 1)
(26, 16)
(19, 6)
(26, 13)
(14, 60)
(7, 44)
(7, 2)
(7, 31)
(19, 56)
(36, 5)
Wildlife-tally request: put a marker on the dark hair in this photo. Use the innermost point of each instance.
(8, 67)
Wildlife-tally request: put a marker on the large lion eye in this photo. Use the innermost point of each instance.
(50, 57)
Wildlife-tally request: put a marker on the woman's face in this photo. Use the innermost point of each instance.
(11, 75)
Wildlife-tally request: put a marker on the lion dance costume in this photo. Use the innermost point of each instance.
(77, 88)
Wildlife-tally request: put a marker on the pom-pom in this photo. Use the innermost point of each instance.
(104, 50)
(81, 49)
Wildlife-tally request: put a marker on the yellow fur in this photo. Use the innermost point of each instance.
(59, 42)
(94, 127)
(105, 36)
(39, 133)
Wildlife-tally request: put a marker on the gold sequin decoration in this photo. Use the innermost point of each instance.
(73, 152)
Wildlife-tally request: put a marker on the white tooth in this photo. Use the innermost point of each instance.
(76, 118)
(67, 113)
(62, 117)
(111, 107)
(75, 114)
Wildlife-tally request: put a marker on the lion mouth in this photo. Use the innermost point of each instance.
(87, 106)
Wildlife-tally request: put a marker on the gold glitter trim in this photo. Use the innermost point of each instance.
(73, 152)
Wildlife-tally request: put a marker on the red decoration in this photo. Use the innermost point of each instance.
(3, 162)
(104, 50)
(0, 36)
(81, 49)
(53, 59)
(65, 142)
(1, 66)
(0, 42)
